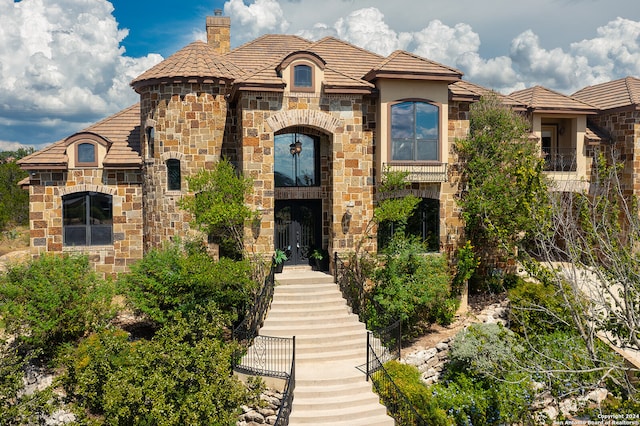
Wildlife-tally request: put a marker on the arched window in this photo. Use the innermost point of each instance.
(87, 219)
(86, 154)
(173, 175)
(297, 160)
(415, 132)
(302, 78)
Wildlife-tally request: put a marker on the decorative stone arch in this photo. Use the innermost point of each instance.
(88, 188)
(172, 155)
(305, 117)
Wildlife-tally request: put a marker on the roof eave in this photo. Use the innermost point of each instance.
(137, 84)
(403, 75)
(45, 166)
(355, 90)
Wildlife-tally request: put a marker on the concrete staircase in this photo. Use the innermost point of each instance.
(330, 344)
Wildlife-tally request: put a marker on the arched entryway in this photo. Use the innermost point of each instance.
(301, 172)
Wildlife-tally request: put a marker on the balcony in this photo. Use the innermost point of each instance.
(430, 173)
(559, 160)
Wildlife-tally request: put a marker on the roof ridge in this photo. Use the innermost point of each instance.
(633, 89)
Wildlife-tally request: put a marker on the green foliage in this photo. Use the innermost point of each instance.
(484, 350)
(14, 201)
(218, 206)
(15, 407)
(411, 286)
(407, 379)
(53, 300)
(505, 190)
(466, 263)
(560, 359)
(180, 376)
(171, 278)
(536, 309)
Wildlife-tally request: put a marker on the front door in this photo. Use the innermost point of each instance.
(298, 229)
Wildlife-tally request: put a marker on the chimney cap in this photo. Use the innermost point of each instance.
(217, 12)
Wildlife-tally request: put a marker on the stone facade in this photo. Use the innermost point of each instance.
(624, 130)
(188, 122)
(45, 196)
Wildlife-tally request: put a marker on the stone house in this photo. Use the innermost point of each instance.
(314, 124)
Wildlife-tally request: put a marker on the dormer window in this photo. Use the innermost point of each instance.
(86, 155)
(302, 71)
(302, 77)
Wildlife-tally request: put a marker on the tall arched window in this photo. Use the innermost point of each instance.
(415, 131)
(87, 219)
(173, 175)
(297, 160)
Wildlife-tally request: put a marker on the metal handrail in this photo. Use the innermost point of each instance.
(351, 289)
(419, 172)
(397, 403)
(383, 346)
(282, 419)
(266, 355)
(560, 160)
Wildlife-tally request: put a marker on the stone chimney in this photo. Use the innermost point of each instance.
(219, 32)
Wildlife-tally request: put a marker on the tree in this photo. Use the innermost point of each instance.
(591, 258)
(218, 205)
(504, 192)
(14, 201)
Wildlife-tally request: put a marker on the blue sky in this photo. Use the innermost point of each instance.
(65, 64)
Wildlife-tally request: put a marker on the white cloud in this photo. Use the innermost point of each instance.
(62, 60)
(263, 16)
(366, 28)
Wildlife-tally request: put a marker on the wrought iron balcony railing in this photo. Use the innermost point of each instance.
(416, 172)
(559, 160)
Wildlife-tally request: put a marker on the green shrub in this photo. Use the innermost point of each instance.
(170, 279)
(407, 379)
(180, 376)
(53, 300)
(535, 309)
(484, 350)
(411, 286)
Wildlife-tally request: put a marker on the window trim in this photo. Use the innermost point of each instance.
(390, 106)
(79, 163)
(88, 226)
(292, 77)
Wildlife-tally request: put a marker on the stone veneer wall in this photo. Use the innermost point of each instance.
(45, 203)
(349, 153)
(189, 122)
(624, 128)
(450, 212)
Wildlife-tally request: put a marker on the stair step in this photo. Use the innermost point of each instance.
(330, 345)
(329, 416)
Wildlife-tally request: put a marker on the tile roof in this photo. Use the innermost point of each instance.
(621, 93)
(405, 65)
(197, 60)
(465, 90)
(122, 130)
(540, 98)
(269, 48)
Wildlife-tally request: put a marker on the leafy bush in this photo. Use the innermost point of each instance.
(411, 286)
(170, 279)
(14, 201)
(180, 376)
(407, 379)
(52, 300)
(484, 350)
(535, 309)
